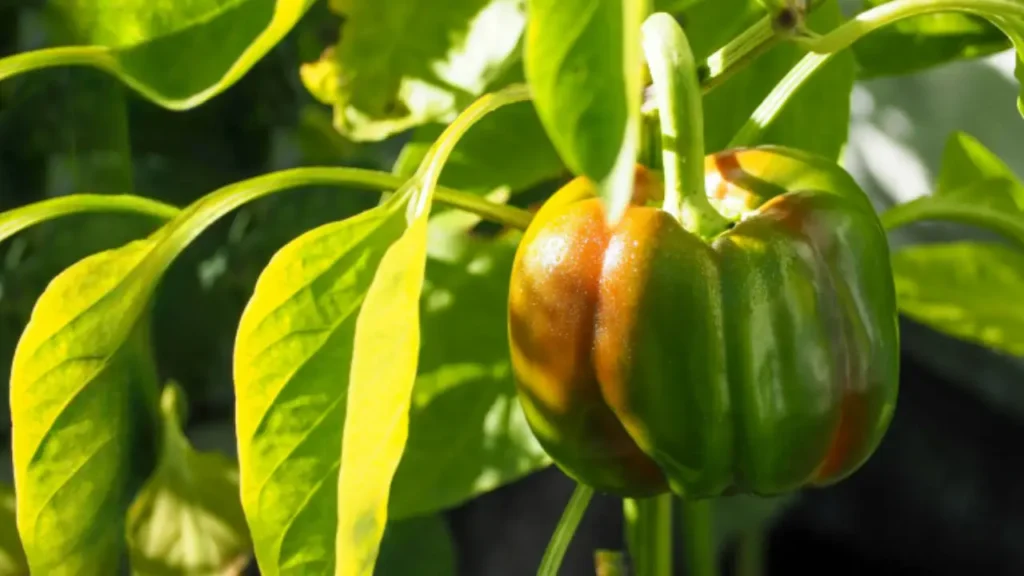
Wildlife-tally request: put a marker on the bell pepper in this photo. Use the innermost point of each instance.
(759, 360)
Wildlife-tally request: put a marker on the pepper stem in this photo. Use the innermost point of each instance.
(699, 551)
(649, 534)
(678, 94)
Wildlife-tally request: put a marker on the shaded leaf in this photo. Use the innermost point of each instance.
(178, 55)
(915, 44)
(12, 556)
(968, 290)
(415, 63)
(421, 545)
(187, 519)
(816, 119)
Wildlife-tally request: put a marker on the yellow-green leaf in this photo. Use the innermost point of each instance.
(291, 364)
(385, 355)
(82, 375)
(83, 394)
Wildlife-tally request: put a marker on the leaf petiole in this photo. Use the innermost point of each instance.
(870, 20)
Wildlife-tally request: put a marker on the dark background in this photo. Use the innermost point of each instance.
(943, 495)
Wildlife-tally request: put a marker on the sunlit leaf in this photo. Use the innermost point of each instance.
(292, 396)
(83, 388)
(12, 556)
(292, 354)
(384, 364)
(83, 395)
(415, 63)
(965, 289)
(187, 519)
(177, 54)
(584, 65)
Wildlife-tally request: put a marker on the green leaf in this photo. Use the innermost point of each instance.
(966, 161)
(178, 54)
(83, 389)
(187, 519)
(468, 434)
(915, 44)
(14, 221)
(816, 119)
(83, 394)
(1014, 30)
(965, 289)
(577, 55)
(421, 545)
(507, 148)
(12, 555)
(292, 354)
(415, 63)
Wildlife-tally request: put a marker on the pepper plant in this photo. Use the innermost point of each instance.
(707, 306)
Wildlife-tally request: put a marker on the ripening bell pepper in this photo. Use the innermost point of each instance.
(760, 360)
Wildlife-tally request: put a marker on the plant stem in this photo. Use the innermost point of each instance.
(699, 549)
(14, 221)
(759, 38)
(430, 170)
(740, 51)
(959, 212)
(565, 530)
(678, 95)
(866, 22)
(776, 101)
(649, 534)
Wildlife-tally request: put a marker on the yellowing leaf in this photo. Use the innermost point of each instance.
(384, 363)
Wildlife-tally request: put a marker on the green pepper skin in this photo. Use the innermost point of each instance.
(759, 361)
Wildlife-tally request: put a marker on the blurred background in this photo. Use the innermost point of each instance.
(943, 495)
